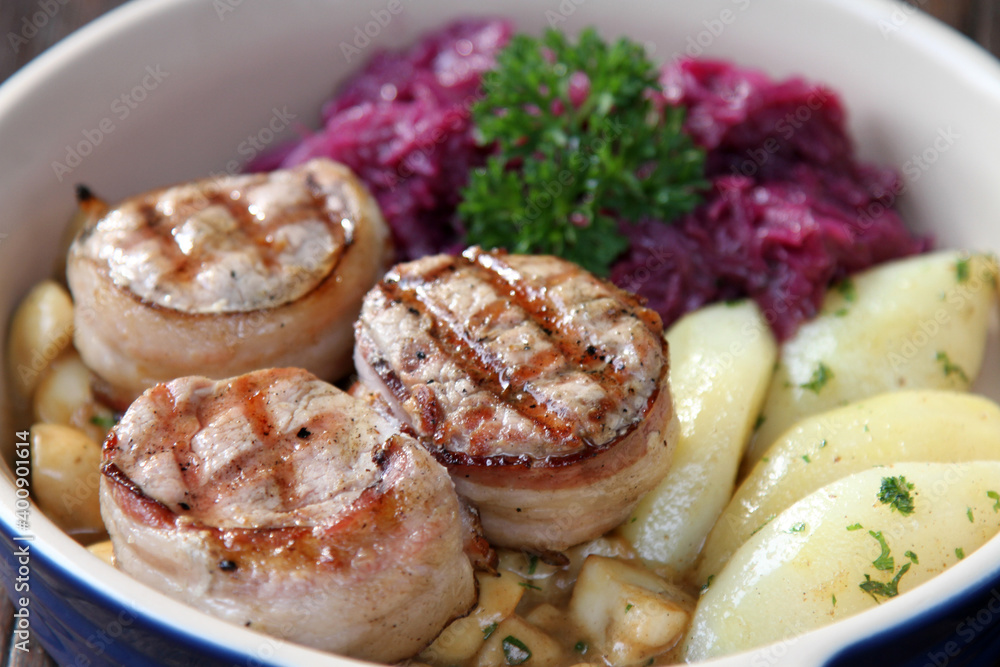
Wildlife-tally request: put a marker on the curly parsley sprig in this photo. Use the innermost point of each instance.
(580, 144)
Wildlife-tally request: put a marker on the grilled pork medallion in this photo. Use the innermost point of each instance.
(542, 388)
(225, 275)
(276, 501)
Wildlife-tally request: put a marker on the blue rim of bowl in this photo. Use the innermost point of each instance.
(78, 622)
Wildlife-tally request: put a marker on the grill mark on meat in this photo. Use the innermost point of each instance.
(334, 546)
(477, 362)
(537, 473)
(506, 346)
(570, 350)
(553, 321)
(390, 378)
(258, 234)
(160, 226)
(507, 354)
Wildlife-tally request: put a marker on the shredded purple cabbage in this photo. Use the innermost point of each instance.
(790, 209)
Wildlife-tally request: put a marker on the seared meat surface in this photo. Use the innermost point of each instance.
(278, 502)
(542, 388)
(225, 275)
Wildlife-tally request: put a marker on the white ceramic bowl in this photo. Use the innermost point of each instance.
(200, 77)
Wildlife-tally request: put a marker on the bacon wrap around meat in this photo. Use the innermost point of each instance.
(280, 503)
(543, 389)
(225, 275)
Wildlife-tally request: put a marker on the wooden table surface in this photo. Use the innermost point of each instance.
(22, 41)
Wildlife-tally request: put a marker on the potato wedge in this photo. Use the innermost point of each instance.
(64, 396)
(41, 328)
(928, 425)
(627, 614)
(842, 550)
(103, 550)
(517, 642)
(917, 323)
(464, 637)
(65, 475)
(721, 362)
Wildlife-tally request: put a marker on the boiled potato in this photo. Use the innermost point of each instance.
(464, 637)
(842, 550)
(103, 550)
(65, 474)
(721, 361)
(64, 396)
(928, 425)
(917, 323)
(42, 327)
(626, 613)
(516, 642)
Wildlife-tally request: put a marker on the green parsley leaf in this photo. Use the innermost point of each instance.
(529, 585)
(489, 630)
(805, 457)
(820, 377)
(855, 526)
(960, 552)
(968, 513)
(895, 491)
(951, 368)
(889, 589)
(761, 526)
(798, 527)
(760, 422)
(106, 422)
(579, 146)
(708, 583)
(962, 270)
(532, 564)
(514, 650)
(913, 557)
(847, 289)
(885, 561)
(628, 607)
(995, 497)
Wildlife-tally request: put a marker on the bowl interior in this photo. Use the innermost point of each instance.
(161, 91)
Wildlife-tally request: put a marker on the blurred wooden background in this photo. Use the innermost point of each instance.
(22, 41)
